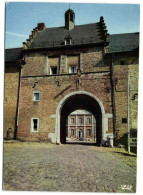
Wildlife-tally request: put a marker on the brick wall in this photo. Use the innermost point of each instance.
(54, 88)
(121, 98)
(51, 95)
(39, 63)
(10, 97)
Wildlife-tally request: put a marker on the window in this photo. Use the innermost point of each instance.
(72, 120)
(88, 132)
(71, 17)
(80, 133)
(34, 124)
(53, 70)
(73, 69)
(68, 42)
(80, 120)
(88, 120)
(36, 96)
(124, 120)
(72, 132)
(122, 62)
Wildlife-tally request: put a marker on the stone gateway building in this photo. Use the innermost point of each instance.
(64, 69)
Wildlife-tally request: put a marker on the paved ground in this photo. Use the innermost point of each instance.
(70, 168)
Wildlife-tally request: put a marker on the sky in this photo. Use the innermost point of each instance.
(22, 17)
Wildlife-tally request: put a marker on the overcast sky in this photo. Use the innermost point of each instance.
(21, 18)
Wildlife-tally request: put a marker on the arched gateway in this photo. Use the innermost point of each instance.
(80, 100)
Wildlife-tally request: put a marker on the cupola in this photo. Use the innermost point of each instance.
(69, 19)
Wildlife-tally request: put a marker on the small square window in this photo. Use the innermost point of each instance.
(124, 120)
(34, 124)
(122, 62)
(73, 69)
(53, 70)
(36, 96)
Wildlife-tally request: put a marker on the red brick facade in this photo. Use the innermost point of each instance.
(47, 75)
(10, 98)
(81, 120)
(51, 94)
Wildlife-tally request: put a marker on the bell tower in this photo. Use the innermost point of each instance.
(69, 19)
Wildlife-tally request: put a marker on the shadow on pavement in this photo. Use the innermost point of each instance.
(125, 154)
(82, 143)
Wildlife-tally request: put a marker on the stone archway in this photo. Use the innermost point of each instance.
(80, 100)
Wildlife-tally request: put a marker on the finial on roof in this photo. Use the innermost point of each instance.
(101, 19)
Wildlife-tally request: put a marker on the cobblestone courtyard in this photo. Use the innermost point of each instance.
(70, 168)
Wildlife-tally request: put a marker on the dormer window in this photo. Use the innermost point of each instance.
(68, 40)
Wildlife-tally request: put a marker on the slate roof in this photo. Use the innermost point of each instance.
(80, 34)
(123, 42)
(117, 42)
(13, 54)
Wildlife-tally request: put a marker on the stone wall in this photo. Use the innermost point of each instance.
(133, 95)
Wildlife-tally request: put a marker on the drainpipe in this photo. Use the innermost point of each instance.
(113, 101)
(22, 62)
(128, 111)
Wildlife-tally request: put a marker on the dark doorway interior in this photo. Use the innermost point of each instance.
(81, 101)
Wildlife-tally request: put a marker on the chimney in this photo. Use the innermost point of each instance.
(41, 26)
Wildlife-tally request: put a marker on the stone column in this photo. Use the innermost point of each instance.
(93, 132)
(84, 129)
(81, 62)
(46, 67)
(63, 64)
(76, 126)
(68, 126)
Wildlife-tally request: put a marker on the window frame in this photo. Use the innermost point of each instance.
(68, 39)
(80, 123)
(33, 98)
(32, 126)
(72, 132)
(73, 121)
(70, 69)
(88, 130)
(88, 122)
